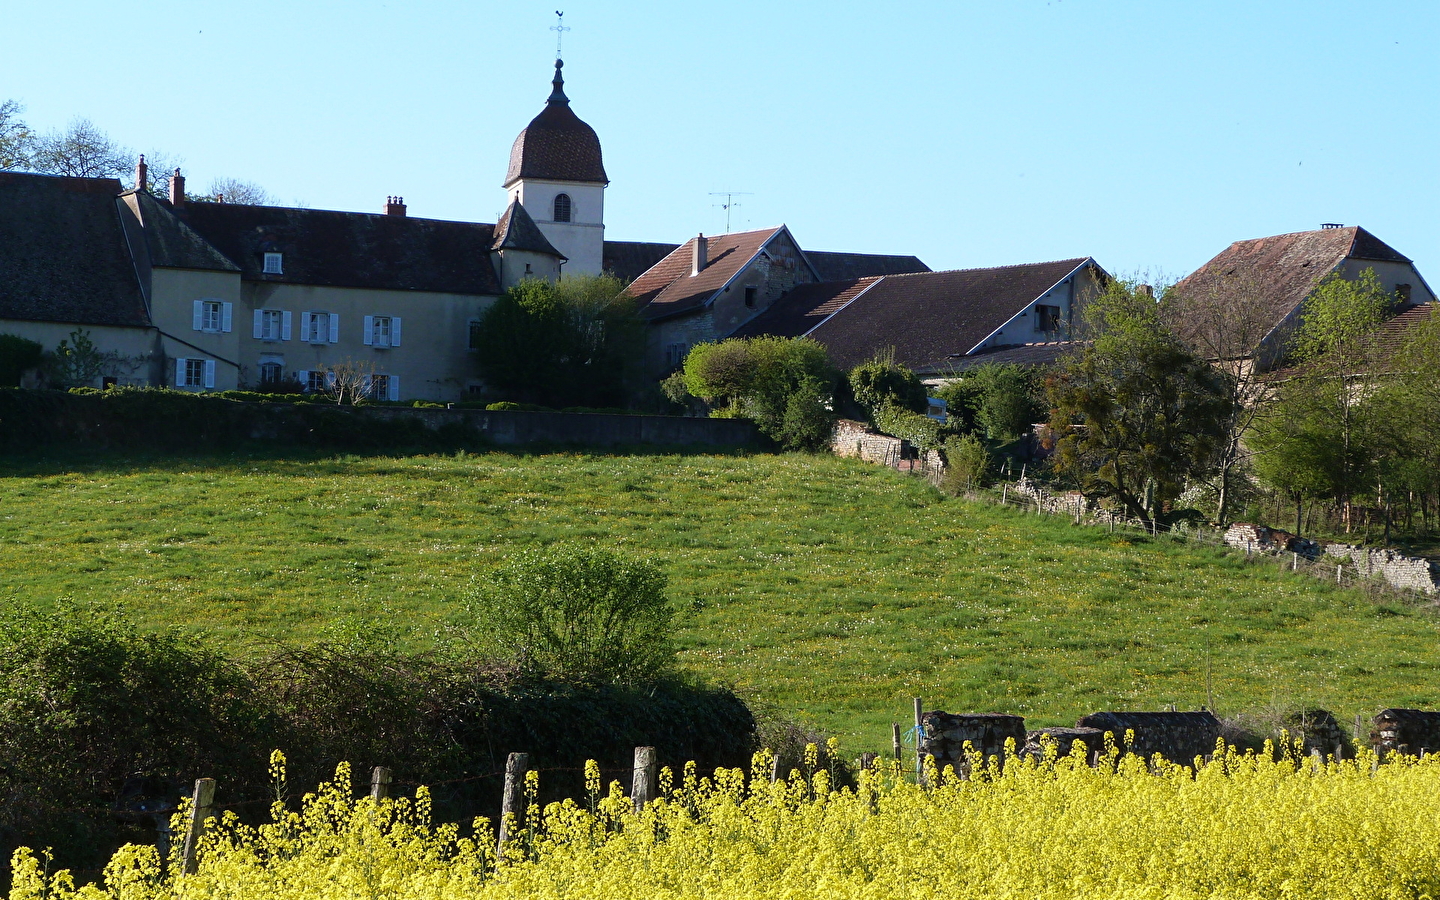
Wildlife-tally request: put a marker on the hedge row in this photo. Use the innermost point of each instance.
(100, 723)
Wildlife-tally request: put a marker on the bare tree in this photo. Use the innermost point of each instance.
(81, 150)
(233, 190)
(1224, 319)
(348, 381)
(16, 139)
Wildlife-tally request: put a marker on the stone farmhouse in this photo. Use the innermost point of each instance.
(1269, 279)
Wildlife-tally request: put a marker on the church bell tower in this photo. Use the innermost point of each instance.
(557, 175)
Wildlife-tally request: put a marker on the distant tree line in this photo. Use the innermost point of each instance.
(83, 150)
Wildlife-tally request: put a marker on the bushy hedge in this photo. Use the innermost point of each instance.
(99, 722)
(921, 431)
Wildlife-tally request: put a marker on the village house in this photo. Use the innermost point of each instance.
(1268, 280)
(215, 296)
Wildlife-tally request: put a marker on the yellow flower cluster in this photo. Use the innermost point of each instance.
(1238, 826)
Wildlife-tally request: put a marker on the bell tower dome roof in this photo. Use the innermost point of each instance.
(556, 145)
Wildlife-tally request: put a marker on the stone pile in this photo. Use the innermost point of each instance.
(943, 736)
(1177, 736)
(1261, 539)
(1410, 731)
(1319, 730)
(1064, 740)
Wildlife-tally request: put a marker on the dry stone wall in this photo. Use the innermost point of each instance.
(944, 735)
(1409, 572)
(1410, 731)
(1177, 736)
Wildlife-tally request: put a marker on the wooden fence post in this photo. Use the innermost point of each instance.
(775, 769)
(379, 783)
(642, 787)
(919, 733)
(516, 765)
(1338, 570)
(895, 736)
(199, 812)
(1004, 489)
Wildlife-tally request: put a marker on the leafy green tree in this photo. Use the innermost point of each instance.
(1329, 437)
(967, 464)
(577, 342)
(16, 139)
(577, 614)
(786, 386)
(1001, 400)
(1137, 413)
(881, 381)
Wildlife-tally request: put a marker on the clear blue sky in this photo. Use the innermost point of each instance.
(1147, 134)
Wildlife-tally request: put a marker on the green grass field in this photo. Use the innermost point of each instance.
(816, 586)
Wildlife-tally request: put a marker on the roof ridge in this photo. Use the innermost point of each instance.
(1047, 262)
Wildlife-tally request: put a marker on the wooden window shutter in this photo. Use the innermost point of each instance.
(180, 371)
(227, 315)
(209, 373)
(394, 331)
(369, 330)
(259, 324)
(285, 325)
(199, 310)
(394, 381)
(334, 329)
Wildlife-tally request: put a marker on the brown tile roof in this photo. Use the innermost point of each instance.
(1046, 353)
(804, 307)
(517, 231)
(1281, 271)
(833, 266)
(628, 260)
(1398, 330)
(927, 317)
(63, 256)
(556, 145)
(346, 249)
(668, 288)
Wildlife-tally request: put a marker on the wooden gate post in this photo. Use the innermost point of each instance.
(516, 765)
(379, 783)
(895, 736)
(199, 812)
(642, 785)
(919, 733)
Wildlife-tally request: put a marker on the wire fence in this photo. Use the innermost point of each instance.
(1029, 497)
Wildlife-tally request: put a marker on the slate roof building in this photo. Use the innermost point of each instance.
(1269, 278)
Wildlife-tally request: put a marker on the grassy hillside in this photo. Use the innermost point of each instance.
(819, 586)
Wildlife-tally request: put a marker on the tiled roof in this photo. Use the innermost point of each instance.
(668, 287)
(628, 260)
(927, 317)
(1281, 271)
(1398, 330)
(63, 256)
(556, 145)
(517, 231)
(345, 249)
(834, 266)
(804, 307)
(1046, 353)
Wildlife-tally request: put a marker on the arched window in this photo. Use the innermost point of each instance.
(562, 207)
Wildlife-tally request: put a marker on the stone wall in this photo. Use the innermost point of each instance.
(1064, 740)
(1412, 573)
(944, 735)
(1177, 736)
(1260, 539)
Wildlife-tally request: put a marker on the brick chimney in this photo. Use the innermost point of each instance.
(177, 189)
(394, 206)
(142, 174)
(1145, 291)
(700, 260)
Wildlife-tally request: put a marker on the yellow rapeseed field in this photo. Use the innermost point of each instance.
(1239, 826)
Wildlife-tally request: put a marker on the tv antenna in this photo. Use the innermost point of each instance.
(730, 203)
(559, 29)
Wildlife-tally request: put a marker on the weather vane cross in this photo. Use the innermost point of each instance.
(559, 29)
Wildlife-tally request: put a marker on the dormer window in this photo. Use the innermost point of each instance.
(562, 207)
(274, 263)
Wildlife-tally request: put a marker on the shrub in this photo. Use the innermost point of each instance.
(967, 464)
(577, 614)
(17, 356)
(883, 382)
(510, 406)
(758, 378)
